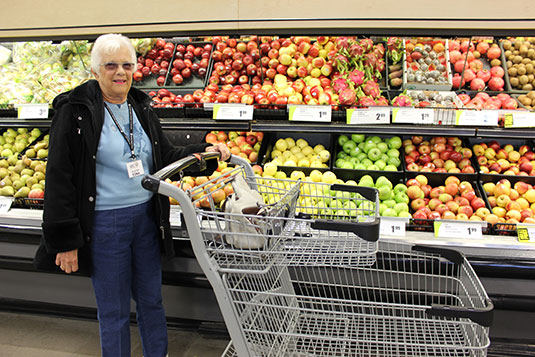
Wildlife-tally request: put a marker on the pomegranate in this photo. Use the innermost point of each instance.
(484, 75)
(456, 80)
(455, 56)
(469, 75)
(497, 71)
(496, 83)
(494, 52)
(482, 47)
(477, 84)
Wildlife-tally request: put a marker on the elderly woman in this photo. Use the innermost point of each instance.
(97, 217)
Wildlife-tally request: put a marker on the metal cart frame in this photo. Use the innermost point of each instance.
(292, 298)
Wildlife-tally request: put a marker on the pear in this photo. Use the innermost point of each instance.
(22, 192)
(22, 130)
(34, 163)
(7, 191)
(6, 153)
(3, 172)
(4, 163)
(2, 140)
(19, 146)
(39, 168)
(40, 145)
(14, 176)
(18, 167)
(6, 181)
(36, 132)
(18, 184)
(27, 162)
(39, 175)
(12, 160)
(37, 185)
(31, 153)
(42, 153)
(30, 181)
(26, 171)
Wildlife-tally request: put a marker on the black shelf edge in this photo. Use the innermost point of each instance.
(288, 126)
(506, 133)
(202, 124)
(26, 123)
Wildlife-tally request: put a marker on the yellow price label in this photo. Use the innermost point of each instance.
(508, 120)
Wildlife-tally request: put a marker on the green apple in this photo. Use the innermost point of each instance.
(394, 161)
(382, 208)
(393, 153)
(390, 168)
(400, 187)
(348, 146)
(389, 203)
(373, 167)
(366, 181)
(383, 181)
(358, 138)
(401, 197)
(342, 139)
(383, 147)
(354, 160)
(361, 156)
(366, 162)
(361, 145)
(374, 139)
(341, 155)
(336, 204)
(394, 142)
(385, 192)
(404, 214)
(339, 163)
(370, 145)
(390, 212)
(401, 207)
(374, 154)
(347, 165)
(380, 164)
(359, 166)
(354, 152)
(350, 208)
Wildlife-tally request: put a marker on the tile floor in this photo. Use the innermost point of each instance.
(24, 335)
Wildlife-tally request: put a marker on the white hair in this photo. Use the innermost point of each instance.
(109, 44)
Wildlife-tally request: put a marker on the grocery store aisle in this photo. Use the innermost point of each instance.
(43, 336)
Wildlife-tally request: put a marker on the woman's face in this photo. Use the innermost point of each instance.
(115, 82)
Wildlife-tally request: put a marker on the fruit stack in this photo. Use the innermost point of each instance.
(447, 155)
(426, 65)
(513, 158)
(301, 153)
(361, 152)
(432, 197)
(151, 69)
(511, 202)
(246, 145)
(22, 167)
(520, 63)
(476, 65)
(189, 66)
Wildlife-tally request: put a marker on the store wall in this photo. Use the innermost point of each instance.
(49, 18)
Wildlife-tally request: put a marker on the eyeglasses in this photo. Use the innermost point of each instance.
(112, 66)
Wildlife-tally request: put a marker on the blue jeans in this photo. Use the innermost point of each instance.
(126, 263)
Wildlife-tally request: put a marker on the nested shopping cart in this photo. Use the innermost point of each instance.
(306, 276)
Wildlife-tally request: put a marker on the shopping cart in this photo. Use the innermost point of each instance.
(291, 298)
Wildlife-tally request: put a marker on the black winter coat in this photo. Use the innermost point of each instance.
(70, 175)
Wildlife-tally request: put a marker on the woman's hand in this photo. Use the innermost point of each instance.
(222, 149)
(68, 261)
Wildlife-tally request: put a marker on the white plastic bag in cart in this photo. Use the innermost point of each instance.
(241, 232)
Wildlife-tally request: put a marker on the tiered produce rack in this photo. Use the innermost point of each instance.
(505, 265)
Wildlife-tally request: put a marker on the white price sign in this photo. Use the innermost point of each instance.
(413, 116)
(476, 117)
(520, 119)
(32, 111)
(368, 116)
(174, 215)
(525, 234)
(458, 229)
(316, 113)
(233, 112)
(5, 204)
(393, 226)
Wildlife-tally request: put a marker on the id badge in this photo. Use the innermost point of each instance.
(134, 168)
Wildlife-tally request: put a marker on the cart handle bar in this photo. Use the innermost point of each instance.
(482, 316)
(152, 182)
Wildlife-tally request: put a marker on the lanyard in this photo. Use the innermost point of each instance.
(119, 127)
